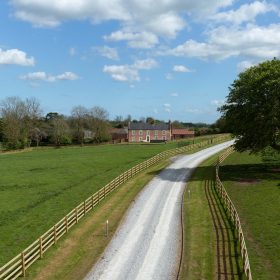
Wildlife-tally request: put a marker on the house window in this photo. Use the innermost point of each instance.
(133, 139)
(148, 132)
(133, 132)
(156, 138)
(156, 132)
(140, 139)
(163, 132)
(140, 132)
(163, 137)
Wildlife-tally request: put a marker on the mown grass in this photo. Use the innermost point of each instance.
(37, 188)
(254, 187)
(200, 260)
(74, 256)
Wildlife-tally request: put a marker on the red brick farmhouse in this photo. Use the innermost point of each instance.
(145, 132)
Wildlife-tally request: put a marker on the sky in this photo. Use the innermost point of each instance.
(168, 59)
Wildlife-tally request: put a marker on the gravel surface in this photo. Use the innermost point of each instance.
(147, 245)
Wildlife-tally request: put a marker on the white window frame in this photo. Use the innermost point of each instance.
(140, 139)
(133, 132)
(140, 132)
(133, 138)
(156, 132)
(164, 132)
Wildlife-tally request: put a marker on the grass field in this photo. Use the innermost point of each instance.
(210, 248)
(254, 187)
(39, 187)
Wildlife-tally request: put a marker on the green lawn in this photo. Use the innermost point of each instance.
(37, 188)
(254, 187)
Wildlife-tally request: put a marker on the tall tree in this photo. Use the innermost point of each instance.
(252, 110)
(79, 119)
(99, 123)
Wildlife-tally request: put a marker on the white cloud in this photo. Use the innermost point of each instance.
(15, 56)
(194, 110)
(43, 76)
(246, 13)
(110, 53)
(258, 42)
(129, 72)
(139, 40)
(167, 107)
(217, 103)
(243, 65)
(181, 69)
(168, 76)
(72, 51)
(174, 94)
(145, 19)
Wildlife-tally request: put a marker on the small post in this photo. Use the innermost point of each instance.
(189, 191)
(107, 228)
(54, 234)
(76, 215)
(66, 224)
(41, 247)
(23, 264)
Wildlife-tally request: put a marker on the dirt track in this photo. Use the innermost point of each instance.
(147, 244)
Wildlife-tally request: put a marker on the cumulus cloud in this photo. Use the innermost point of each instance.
(174, 94)
(243, 65)
(245, 13)
(181, 69)
(259, 42)
(140, 40)
(43, 76)
(16, 57)
(108, 52)
(142, 20)
(129, 72)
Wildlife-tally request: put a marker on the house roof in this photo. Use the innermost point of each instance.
(148, 126)
(182, 131)
(118, 130)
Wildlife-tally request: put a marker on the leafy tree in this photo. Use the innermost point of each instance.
(79, 118)
(252, 110)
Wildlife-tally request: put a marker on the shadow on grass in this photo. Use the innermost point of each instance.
(262, 171)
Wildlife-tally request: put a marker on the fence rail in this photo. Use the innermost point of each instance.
(19, 264)
(231, 211)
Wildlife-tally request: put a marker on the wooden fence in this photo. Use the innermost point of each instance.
(232, 213)
(19, 264)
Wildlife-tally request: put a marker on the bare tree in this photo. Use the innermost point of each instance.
(79, 118)
(99, 123)
(60, 130)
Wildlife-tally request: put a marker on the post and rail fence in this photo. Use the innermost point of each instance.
(17, 266)
(232, 213)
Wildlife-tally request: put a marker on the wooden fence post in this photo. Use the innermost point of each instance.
(54, 234)
(76, 212)
(23, 264)
(66, 224)
(41, 247)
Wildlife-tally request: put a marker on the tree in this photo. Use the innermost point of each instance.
(99, 123)
(79, 118)
(252, 110)
(59, 131)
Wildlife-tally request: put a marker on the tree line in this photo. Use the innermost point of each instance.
(22, 124)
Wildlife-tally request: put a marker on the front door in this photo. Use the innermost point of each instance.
(148, 138)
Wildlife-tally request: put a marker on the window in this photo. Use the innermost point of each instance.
(148, 132)
(163, 137)
(133, 139)
(133, 132)
(140, 132)
(163, 132)
(156, 138)
(140, 139)
(156, 132)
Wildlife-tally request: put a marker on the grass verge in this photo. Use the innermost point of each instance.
(210, 249)
(80, 249)
(254, 187)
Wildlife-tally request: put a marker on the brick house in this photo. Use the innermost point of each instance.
(145, 132)
(119, 134)
(181, 133)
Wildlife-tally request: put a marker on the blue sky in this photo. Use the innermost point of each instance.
(169, 59)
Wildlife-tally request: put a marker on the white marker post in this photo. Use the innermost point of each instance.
(107, 227)
(189, 191)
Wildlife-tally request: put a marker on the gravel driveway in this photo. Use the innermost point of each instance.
(147, 245)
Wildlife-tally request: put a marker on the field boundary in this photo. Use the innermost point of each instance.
(17, 266)
(232, 212)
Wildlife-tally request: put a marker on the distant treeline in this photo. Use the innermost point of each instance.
(22, 124)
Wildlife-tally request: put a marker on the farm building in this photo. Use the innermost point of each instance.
(119, 134)
(145, 132)
(181, 133)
